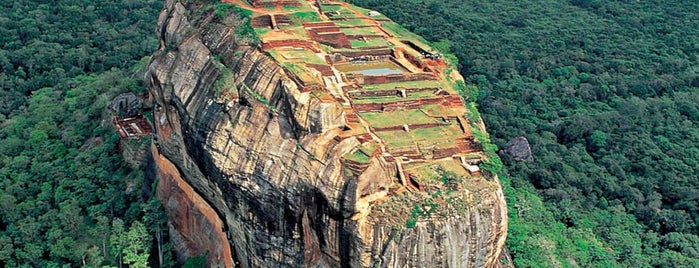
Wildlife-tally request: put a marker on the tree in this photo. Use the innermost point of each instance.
(155, 220)
(61, 180)
(117, 241)
(598, 139)
(136, 251)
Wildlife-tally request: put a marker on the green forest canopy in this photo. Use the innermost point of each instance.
(67, 197)
(607, 92)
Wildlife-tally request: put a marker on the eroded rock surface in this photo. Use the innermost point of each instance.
(264, 166)
(518, 149)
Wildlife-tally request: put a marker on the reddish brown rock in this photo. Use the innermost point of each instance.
(195, 228)
(269, 169)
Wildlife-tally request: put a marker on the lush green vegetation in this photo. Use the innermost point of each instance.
(67, 198)
(397, 118)
(607, 92)
(302, 17)
(242, 18)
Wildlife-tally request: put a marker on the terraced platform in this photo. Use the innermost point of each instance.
(398, 93)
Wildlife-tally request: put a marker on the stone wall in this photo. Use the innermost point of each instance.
(335, 40)
(384, 79)
(397, 105)
(264, 21)
(375, 53)
(277, 3)
(290, 43)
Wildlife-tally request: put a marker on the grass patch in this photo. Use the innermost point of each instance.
(401, 33)
(370, 42)
(357, 156)
(436, 133)
(387, 99)
(262, 31)
(304, 56)
(302, 17)
(441, 110)
(361, 67)
(344, 16)
(363, 152)
(352, 22)
(360, 31)
(329, 8)
(369, 148)
(295, 30)
(301, 71)
(435, 136)
(397, 118)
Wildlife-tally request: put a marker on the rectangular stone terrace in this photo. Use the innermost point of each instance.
(398, 93)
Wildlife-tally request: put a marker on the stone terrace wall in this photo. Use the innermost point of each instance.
(365, 53)
(410, 126)
(324, 70)
(391, 128)
(262, 21)
(267, 3)
(329, 29)
(361, 36)
(355, 167)
(318, 24)
(376, 93)
(418, 90)
(368, 107)
(335, 40)
(404, 150)
(439, 153)
(290, 43)
(283, 19)
(359, 94)
(384, 79)
(397, 105)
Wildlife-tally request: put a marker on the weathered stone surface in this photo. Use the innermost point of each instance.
(518, 149)
(271, 170)
(198, 230)
(126, 104)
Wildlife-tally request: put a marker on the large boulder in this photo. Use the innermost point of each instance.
(517, 149)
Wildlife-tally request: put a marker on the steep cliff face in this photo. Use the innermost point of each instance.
(263, 166)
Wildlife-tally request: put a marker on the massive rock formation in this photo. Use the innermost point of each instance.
(257, 178)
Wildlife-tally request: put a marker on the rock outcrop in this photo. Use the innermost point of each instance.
(257, 178)
(518, 149)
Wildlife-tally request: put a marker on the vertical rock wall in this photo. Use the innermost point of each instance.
(267, 167)
(198, 230)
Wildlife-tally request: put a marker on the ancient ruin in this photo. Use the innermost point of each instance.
(397, 93)
(132, 127)
(338, 139)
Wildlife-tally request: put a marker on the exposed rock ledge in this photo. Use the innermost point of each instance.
(273, 178)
